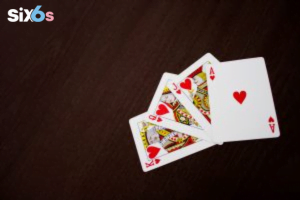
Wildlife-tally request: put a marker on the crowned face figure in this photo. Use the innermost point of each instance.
(152, 136)
(167, 96)
(199, 78)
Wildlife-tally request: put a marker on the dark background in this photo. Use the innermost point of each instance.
(69, 87)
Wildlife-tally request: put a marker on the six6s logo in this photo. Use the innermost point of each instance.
(34, 15)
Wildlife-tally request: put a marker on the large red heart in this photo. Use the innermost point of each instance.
(187, 84)
(240, 96)
(162, 109)
(153, 151)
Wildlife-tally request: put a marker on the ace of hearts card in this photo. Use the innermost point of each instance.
(241, 101)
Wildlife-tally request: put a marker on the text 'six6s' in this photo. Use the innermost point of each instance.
(33, 15)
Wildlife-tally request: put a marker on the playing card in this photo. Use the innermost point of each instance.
(241, 102)
(167, 111)
(193, 84)
(158, 146)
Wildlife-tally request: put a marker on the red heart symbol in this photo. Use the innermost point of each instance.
(159, 119)
(157, 161)
(178, 91)
(212, 74)
(153, 151)
(162, 109)
(271, 120)
(272, 126)
(240, 96)
(187, 84)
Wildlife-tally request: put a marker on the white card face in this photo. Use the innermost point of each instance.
(192, 82)
(166, 110)
(241, 102)
(158, 146)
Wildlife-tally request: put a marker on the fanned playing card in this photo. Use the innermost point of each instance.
(241, 102)
(158, 145)
(208, 103)
(166, 110)
(193, 84)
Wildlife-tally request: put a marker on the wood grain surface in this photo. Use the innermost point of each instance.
(69, 87)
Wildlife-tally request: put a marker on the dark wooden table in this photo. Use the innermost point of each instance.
(69, 87)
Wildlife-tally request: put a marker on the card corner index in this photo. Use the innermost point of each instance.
(159, 90)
